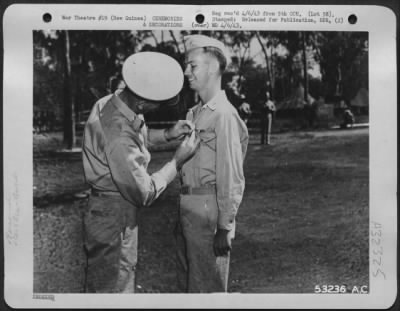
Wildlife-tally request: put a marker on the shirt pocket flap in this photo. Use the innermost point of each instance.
(207, 137)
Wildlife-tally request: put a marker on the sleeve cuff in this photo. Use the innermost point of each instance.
(156, 137)
(226, 222)
(168, 172)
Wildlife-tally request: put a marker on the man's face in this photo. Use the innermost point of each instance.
(197, 69)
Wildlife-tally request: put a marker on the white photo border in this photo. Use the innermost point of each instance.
(20, 20)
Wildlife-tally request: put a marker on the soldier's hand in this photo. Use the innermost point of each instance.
(181, 129)
(222, 242)
(186, 149)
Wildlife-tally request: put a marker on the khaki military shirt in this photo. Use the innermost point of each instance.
(219, 159)
(115, 155)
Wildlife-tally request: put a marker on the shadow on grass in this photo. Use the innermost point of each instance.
(57, 155)
(61, 198)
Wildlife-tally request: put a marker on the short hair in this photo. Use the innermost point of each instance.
(218, 55)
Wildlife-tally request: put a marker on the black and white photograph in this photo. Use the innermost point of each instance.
(198, 160)
(292, 173)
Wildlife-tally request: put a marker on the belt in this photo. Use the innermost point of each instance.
(99, 193)
(185, 189)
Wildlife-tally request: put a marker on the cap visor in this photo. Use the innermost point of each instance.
(171, 102)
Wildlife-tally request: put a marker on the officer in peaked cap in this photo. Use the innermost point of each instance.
(115, 160)
(212, 180)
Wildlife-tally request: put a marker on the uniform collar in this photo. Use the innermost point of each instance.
(137, 120)
(212, 103)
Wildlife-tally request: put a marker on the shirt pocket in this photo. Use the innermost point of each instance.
(207, 138)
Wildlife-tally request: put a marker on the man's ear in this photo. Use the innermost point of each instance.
(213, 67)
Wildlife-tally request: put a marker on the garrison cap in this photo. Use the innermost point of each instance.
(200, 41)
(153, 76)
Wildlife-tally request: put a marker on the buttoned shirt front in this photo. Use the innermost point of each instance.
(115, 155)
(219, 159)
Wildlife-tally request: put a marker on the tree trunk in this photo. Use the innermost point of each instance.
(305, 67)
(241, 65)
(176, 42)
(272, 71)
(338, 89)
(267, 62)
(69, 100)
(154, 37)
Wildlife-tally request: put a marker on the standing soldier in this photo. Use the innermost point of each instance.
(267, 111)
(115, 160)
(212, 180)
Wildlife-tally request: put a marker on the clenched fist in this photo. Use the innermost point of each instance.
(179, 130)
(186, 149)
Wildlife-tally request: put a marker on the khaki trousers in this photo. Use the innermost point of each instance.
(198, 269)
(110, 241)
(266, 126)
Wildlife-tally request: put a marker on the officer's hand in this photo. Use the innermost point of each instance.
(186, 149)
(179, 130)
(222, 242)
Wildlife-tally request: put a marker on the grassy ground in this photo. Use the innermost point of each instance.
(303, 221)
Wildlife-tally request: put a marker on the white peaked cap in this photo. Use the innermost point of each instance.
(153, 76)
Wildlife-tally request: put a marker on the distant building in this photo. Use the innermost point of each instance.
(360, 103)
(295, 101)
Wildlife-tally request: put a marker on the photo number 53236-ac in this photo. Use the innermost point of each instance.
(341, 289)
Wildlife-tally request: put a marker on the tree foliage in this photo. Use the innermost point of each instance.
(336, 63)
